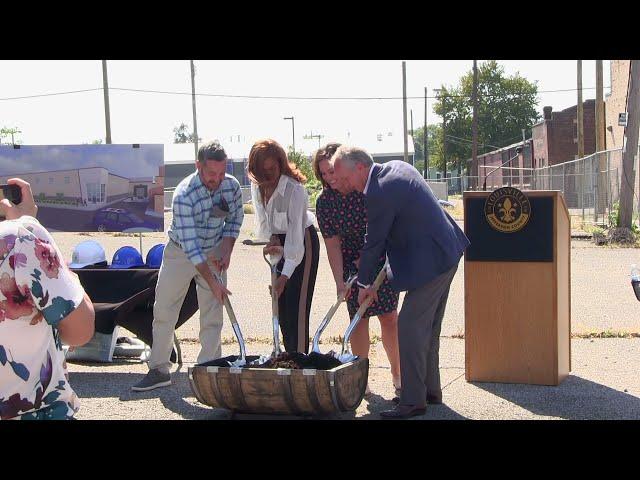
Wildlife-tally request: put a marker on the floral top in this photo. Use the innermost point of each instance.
(37, 291)
(346, 216)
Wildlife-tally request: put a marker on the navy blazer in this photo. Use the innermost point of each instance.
(405, 219)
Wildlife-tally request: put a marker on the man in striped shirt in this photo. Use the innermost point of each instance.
(207, 215)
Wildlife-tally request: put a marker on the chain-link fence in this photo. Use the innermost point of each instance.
(590, 185)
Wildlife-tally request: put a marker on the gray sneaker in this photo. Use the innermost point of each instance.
(154, 379)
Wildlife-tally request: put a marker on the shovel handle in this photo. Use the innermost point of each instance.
(274, 308)
(330, 313)
(232, 317)
(363, 308)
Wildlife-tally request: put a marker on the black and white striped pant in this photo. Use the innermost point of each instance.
(294, 305)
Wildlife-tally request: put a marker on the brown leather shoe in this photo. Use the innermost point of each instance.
(404, 411)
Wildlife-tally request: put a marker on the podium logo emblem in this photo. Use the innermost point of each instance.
(507, 210)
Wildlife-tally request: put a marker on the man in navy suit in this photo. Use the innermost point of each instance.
(423, 245)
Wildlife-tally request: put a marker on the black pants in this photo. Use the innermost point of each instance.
(294, 305)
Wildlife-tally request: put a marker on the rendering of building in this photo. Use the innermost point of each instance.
(86, 188)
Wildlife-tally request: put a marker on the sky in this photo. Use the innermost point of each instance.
(145, 118)
(122, 160)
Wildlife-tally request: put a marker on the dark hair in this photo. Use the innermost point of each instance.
(325, 153)
(264, 149)
(211, 151)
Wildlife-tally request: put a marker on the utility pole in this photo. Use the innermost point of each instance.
(524, 141)
(293, 129)
(426, 139)
(404, 111)
(474, 125)
(630, 152)
(105, 91)
(600, 128)
(413, 161)
(600, 142)
(444, 138)
(411, 121)
(580, 113)
(193, 102)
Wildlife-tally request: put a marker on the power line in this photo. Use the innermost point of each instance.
(269, 97)
(52, 94)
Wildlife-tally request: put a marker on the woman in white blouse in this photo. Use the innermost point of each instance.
(282, 218)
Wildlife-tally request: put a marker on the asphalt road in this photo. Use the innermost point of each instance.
(601, 296)
(72, 220)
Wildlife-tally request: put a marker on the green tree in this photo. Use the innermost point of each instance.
(10, 131)
(313, 185)
(181, 135)
(434, 136)
(506, 105)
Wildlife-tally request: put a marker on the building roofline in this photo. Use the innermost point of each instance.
(65, 170)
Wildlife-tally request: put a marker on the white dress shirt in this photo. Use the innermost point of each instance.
(293, 222)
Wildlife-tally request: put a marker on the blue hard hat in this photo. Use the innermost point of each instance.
(154, 256)
(127, 257)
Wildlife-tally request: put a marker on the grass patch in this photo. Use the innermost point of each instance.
(606, 334)
(122, 234)
(459, 334)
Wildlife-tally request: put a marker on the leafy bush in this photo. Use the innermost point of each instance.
(313, 185)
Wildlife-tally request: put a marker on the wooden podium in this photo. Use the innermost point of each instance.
(517, 290)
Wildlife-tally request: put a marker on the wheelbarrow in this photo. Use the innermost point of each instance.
(286, 391)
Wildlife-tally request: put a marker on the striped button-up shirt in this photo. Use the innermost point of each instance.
(201, 217)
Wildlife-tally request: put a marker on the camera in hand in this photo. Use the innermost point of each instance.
(12, 192)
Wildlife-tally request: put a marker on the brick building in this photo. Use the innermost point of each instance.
(555, 138)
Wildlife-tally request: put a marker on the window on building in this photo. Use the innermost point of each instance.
(67, 180)
(50, 180)
(37, 180)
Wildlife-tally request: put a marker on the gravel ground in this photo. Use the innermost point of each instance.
(601, 297)
(604, 385)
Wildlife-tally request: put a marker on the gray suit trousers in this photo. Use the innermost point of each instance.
(419, 323)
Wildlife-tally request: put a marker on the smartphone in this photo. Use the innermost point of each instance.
(12, 192)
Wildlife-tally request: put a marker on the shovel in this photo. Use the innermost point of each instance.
(330, 313)
(242, 358)
(346, 355)
(272, 262)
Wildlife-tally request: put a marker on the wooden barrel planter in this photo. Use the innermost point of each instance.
(282, 391)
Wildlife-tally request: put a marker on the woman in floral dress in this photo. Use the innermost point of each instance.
(41, 304)
(342, 220)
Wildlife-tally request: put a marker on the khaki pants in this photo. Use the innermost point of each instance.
(174, 277)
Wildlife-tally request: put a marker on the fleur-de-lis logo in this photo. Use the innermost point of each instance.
(507, 211)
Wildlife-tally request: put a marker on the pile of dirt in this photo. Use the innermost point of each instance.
(294, 360)
(297, 360)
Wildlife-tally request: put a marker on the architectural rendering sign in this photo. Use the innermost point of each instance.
(88, 188)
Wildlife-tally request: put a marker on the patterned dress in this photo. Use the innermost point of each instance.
(347, 216)
(37, 291)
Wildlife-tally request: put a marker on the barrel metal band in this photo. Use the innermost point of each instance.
(216, 388)
(288, 395)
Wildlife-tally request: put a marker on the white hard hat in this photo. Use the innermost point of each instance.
(86, 253)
